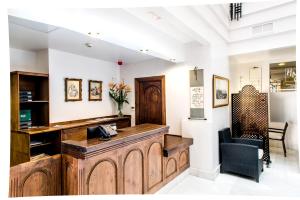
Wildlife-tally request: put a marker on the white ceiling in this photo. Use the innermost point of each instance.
(34, 36)
(164, 31)
(262, 55)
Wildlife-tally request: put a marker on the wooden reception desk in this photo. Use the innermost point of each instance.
(139, 160)
(132, 162)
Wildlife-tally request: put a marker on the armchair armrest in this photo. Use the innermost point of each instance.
(239, 153)
(255, 142)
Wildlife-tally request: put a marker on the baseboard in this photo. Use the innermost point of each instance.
(175, 181)
(211, 175)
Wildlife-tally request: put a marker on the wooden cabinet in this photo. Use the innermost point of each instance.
(25, 147)
(37, 84)
(36, 178)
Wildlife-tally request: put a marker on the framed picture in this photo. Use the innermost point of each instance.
(73, 89)
(220, 91)
(95, 90)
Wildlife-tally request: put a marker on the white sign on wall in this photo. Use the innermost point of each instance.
(197, 97)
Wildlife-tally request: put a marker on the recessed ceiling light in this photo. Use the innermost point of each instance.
(281, 64)
(94, 34)
(89, 45)
(154, 15)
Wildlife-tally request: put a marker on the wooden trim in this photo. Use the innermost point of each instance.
(163, 88)
(80, 89)
(89, 119)
(94, 81)
(214, 87)
(30, 73)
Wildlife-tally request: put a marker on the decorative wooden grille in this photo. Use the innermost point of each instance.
(235, 10)
(250, 116)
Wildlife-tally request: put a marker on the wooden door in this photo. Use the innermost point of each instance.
(150, 100)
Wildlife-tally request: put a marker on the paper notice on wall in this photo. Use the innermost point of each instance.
(197, 97)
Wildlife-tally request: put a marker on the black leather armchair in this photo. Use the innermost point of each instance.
(239, 155)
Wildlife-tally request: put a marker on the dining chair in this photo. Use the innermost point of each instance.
(278, 133)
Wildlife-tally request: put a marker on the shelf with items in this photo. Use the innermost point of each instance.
(30, 95)
(44, 143)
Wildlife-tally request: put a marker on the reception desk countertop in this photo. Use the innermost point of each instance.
(87, 148)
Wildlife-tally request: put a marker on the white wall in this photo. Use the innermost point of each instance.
(282, 108)
(62, 65)
(66, 65)
(32, 61)
(278, 111)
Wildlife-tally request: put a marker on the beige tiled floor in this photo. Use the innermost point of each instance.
(281, 179)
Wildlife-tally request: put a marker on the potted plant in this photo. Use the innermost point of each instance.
(119, 93)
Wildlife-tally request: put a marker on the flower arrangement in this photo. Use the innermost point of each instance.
(119, 93)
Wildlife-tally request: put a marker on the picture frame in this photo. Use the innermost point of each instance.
(220, 91)
(95, 90)
(73, 89)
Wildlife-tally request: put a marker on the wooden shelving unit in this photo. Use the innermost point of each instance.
(22, 149)
(38, 85)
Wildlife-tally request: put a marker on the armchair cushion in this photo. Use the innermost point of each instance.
(255, 142)
(260, 153)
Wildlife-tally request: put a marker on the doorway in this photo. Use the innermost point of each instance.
(150, 101)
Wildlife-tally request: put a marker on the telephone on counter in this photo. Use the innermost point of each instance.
(104, 132)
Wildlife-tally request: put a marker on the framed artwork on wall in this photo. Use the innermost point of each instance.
(73, 89)
(220, 91)
(95, 90)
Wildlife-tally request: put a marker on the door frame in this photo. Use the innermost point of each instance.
(137, 82)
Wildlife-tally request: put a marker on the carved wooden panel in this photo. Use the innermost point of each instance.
(102, 178)
(36, 178)
(250, 116)
(183, 159)
(133, 170)
(171, 167)
(155, 169)
(37, 183)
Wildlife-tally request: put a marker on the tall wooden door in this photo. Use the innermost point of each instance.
(150, 100)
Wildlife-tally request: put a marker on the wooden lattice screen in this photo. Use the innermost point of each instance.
(250, 116)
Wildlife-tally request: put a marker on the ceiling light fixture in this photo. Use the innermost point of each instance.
(172, 59)
(89, 45)
(281, 64)
(154, 15)
(144, 50)
(94, 34)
